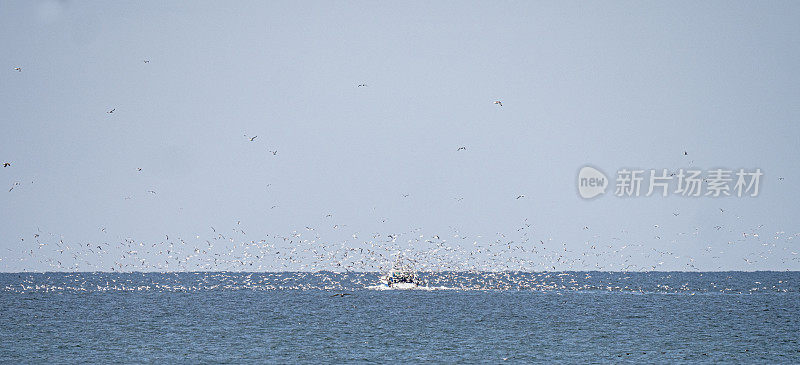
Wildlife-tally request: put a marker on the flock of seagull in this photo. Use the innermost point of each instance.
(327, 248)
(451, 259)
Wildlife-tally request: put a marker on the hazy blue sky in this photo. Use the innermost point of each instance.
(611, 84)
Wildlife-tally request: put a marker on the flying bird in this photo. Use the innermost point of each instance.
(111, 111)
(18, 69)
(6, 164)
(362, 85)
(520, 196)
(685, 153)
(253, 138)
(146, 61)
(498, 102)
(461, 148)
(274, 153)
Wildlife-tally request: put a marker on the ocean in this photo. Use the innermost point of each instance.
(504, 317)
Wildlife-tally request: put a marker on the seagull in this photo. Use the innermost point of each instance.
(6, 164)
(498, 102)
(461, 148)
(18, 69)
(520, 196)
(111, 111)
(340, 294)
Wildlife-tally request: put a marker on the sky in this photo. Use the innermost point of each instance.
(623, 84)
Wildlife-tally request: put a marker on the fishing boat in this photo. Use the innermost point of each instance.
(401, 276)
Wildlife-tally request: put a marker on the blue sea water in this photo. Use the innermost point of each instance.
(572, 317)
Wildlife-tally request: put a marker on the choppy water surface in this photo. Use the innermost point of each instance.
(467, 317)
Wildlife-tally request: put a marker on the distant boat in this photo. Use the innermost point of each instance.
(401, 276)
